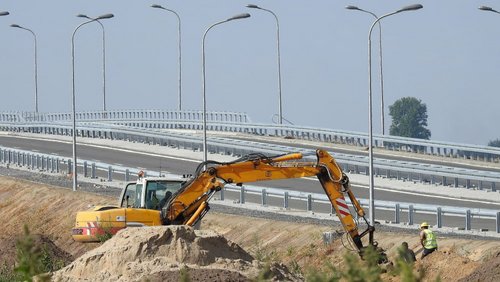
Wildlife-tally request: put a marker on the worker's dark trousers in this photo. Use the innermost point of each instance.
(427, 251)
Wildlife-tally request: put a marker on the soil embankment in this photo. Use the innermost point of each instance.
(163, 253)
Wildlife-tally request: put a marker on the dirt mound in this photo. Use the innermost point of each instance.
(49, 251)
(488, 271)
(164, 253)
(438, 263)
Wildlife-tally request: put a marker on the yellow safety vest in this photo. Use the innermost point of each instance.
(430, 239)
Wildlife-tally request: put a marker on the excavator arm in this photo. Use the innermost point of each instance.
(190, 203)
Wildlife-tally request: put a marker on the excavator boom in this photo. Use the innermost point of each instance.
(190, 203)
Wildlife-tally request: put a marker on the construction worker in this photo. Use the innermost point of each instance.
(406, 254)
(427, 239)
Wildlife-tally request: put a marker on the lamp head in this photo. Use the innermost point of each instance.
(105, 16)
(157, 6)
(15, 25)
(253, 6)
(486, 8)
(4, 13)
(240, 16)
(83, 16)
(351, 7)
(411, 8)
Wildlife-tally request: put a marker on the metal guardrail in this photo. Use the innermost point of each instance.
(398, 208)
(411, 171)
(240, 122)
(58, 164)
(125, 115)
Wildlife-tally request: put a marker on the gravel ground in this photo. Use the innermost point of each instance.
(106, 189)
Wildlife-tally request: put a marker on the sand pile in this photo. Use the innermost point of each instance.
(164, 253)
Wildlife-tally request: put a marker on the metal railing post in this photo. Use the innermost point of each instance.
(52, 164)
(57, 165)
(309, 202)
(285, 200)
(397, 209)
(127, 175)
(85, 173)
(439, 217)
(498, 222)
(410, 215)
(264, 197)
(93, 171)
(110, 174)
(69, 167)
(242, 194)
(222, 194)
(468, 218)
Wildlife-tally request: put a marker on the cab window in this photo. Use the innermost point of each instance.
(133, 192)
(159, 192)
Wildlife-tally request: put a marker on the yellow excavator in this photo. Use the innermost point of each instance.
(184, 201)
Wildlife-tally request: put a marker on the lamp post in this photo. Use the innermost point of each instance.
(370, 123)
(237, 17)
(35, 66)
(179, 106)
(280, 104)
(382, 108)
(103, 59)
(106, 16)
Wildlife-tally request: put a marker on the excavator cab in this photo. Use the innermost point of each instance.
(149, 193)
(139, 205)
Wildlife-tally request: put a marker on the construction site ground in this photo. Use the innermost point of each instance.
(232, 252)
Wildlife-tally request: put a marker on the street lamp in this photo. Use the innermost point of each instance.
(103, 59)
(179, 106)
(382, 112)
(280, 104)
(36, 66)
(237, 17)
(106, 16)
(370, 124)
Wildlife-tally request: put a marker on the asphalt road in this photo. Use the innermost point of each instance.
(178, 166)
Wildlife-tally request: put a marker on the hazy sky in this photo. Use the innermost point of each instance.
(446, 54)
